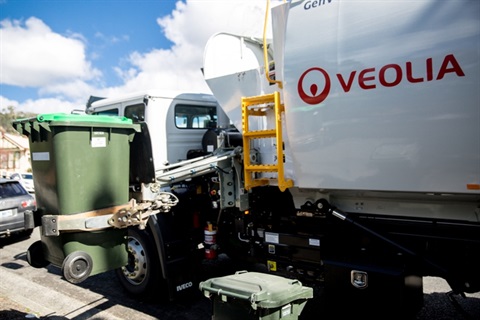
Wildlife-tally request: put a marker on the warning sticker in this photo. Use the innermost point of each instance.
(99, 142)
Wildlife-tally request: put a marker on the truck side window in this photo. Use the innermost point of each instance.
(136, 112)
(195, 116)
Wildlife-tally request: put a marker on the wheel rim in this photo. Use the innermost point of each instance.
(77, 266)
(136, 269)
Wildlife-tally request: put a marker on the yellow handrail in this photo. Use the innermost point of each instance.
(271, 100)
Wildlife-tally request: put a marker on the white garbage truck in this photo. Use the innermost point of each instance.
(349, 155)
(361, 147)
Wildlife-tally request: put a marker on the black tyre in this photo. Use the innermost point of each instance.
(26, 233)
(142, 273)
(35, 256)
(77, 266)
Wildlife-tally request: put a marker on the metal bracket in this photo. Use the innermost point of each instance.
(131, 214)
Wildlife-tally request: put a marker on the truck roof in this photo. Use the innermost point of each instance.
(155, 93)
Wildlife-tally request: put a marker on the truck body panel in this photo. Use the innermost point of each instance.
(396, 106)
(376, 107)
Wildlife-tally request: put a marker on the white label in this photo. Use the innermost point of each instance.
(210, 148)
(99, 142)
(271, 237)
(314, 242)
(41, 156)
(286, 310)
(6, 213)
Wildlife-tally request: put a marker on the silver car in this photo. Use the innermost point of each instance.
(16, 208)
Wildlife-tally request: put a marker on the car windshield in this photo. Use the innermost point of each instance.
(11, 189)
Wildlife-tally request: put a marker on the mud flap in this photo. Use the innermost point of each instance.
(179, 258)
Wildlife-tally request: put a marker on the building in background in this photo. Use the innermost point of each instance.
(14, 154)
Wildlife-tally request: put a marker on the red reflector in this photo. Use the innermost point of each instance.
(473, 186)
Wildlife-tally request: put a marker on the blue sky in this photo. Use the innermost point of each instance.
(54, 54)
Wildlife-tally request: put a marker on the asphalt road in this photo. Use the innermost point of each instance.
(29, 292)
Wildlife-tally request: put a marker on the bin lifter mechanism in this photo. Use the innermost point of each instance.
(136, 213)
(130, 214)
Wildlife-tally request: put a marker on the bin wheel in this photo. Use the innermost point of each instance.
(77, 266)
(35, 256)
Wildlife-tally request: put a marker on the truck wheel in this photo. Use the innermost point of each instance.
(141, 275)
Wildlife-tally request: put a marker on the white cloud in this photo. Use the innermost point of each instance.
(189, 27)
(44, 105)
(5, 103)
(73, 90)
(195, 21)
(33, 55)
(111, 39)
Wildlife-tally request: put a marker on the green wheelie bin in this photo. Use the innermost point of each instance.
(80, 165)
(253, 295)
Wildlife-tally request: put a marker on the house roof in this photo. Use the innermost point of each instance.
(18, 141)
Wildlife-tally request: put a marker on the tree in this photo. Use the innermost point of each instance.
(8, 115)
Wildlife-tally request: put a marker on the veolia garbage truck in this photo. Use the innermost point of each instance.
(350, 158)
(361, 146)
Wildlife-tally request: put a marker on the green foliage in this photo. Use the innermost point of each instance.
(8, 115)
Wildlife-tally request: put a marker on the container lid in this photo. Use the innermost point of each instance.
(262, 290)
(45, 121)
(67, 117)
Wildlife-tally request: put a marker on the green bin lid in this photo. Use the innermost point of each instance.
(48, 120)
(260, 289)
(67, 117)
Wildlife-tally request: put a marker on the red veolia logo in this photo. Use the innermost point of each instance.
(315, 96)
(387, 76)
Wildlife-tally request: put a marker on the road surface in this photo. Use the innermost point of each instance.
(27, 292)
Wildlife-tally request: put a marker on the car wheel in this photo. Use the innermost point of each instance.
(142, 273)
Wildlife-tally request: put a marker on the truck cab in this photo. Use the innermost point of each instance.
(176, 121)
(163, 256)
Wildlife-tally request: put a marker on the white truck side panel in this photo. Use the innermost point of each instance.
(383, 95)
(233, 68)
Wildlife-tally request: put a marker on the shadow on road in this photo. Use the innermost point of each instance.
(439, 306)
(18, 237)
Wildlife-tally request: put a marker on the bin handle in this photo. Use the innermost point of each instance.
(226, 293)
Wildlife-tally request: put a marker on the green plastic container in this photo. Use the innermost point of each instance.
(252, 295)
(81, 163)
